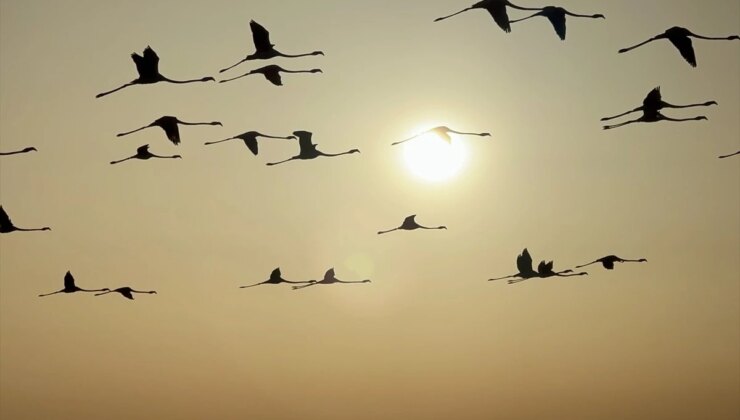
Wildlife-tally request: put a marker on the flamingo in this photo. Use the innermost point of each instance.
(143, 153)
(409, 223)
(309, 150)
(250, 140)
(556, 16)
(169, 125)
(276, 278)
(544, 270)
(497, 9)
(654, 102)
(730, 155)
(609, 260)
(70, 287)
(26, 150)
(443, 133)
(264, 48)
(329, 278)
(127, 292)
(6, 225)
(148, 68)
(272, 73)
(680, 38)
(654, 116)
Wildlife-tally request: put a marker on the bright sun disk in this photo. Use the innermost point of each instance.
(433, 159)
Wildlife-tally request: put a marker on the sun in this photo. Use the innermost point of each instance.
(433, 159)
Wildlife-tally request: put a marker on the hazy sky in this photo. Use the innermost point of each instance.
(429, 338)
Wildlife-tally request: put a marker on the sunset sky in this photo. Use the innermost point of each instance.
(429, 338)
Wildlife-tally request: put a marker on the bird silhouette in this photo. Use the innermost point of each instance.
(148, 68)
(649, 116)
(250, 140)
(272, 73)
(6, 225)
(26, 150)
(329, 278)
(497, 9)
(443, 133)
(71, 287)
(143, 153)
(730, 155)
(409, 223)
(309, 150)
(609, 260)
(276, 278)
(556, 16)
(126, 292)
(170, 126)
(681, 39)
(653, 102)
(544, 270)
(264, 48)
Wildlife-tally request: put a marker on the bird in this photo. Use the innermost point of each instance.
(276, 278)
(681, 39)
(250, 140)
(147, 65)
(443, 133)
(556, 16)
(6, 225)
(654, 102)
(497, 9)
(26, 150)
(409, 223)
(309, 150)
(329, 278)
(649, 116)
(730, 155)
(170, 126)
(71, 287)
(127, 292)
(544, 270)
(272, 73)
(609, 260)
(143, 153)
(264, 48)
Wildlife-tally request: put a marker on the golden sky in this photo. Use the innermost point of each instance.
(429, 338)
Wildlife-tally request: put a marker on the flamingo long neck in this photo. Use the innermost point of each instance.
(123, 160)
(232, 66)
(165, 79)
(622, 114)
(667, 105)
(514, 6)
(220, 141)
(283, 161)
(731, 155)
(13, 153)
(454, 14)
(296, 55)
(100, 95)
(334, 154)
(52, 293)
(711, 38)
(624, 50)
(31, 230)
(235, 78)
(132, 131)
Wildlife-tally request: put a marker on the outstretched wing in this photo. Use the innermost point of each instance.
(274, 77)
(545, 267)
(148, 65)
(252, 144)
(142, 150)
(4, 219)
(558, 22)
(653, 99)
(608, 263)
(125, 291)
(329, 274)
(411, 220)
(275, 275)
(524, 262)
(69, 281)
(260, 37)
(499, 15)
(686, 48)
(304, 141)
(173, 132)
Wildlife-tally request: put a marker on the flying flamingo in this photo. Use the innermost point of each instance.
(409, 223)
(272, 73)
(556, 16)
(250, 140)
(653, 116)
(6, 225)
(545, 269)
(26, 150)
(444, 133)
(277, 278)
(680, 38)
(609, 260)
(127, 292)
(169, 125)
(148, 68)
(143, 153)
(309, 150)
(329, 278)
(264, 48)
(70, 287)
(654, 102)
(497, 9)
(731, 155)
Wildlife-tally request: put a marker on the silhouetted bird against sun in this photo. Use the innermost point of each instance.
(127, 292)
(277, 278)
(70, 287)
(169, 125)
(653, 102)
(497, 9)
(680, 38)
(556, 16)
(609, 260)
(26, 150)
(143, 153)
(329, 278)
(264, 48)
(544, 270)
(443, 133)
(309, 150)
(148, 68)
(409, 223)
(272, 73)
(730, 155)
(250, 140)
(6, 225)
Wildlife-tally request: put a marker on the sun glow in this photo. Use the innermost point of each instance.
(431, 158)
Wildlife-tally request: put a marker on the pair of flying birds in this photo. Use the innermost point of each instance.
(329, 278)
(71, 287)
